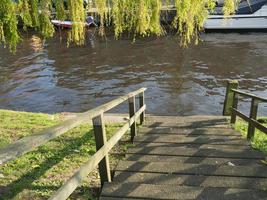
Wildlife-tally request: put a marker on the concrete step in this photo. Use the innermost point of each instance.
(194, 152)
(192, 169)
(194, 146)
(188, 131)
(194, 160)
(187, 122)
(150, 191)
(195, 139)
(191, 180)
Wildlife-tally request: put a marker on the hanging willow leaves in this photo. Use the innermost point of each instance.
(8, 24)
(190, 18)
(230, 6)
(138, 17)
(34, 13)
(46, 27)
(24, 12)
(77, 15)
(60, 10)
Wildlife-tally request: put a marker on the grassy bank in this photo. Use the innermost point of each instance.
(38, 174)
(260, 139)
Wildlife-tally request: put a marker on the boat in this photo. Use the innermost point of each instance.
(68, 24)
(251, 15)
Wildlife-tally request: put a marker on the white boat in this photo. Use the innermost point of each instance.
(68, 24)
(249, 17)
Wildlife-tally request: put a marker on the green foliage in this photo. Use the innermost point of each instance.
(230, 6)
(77, 15)
(8, 24)
(61, 14)
(46, 27)
(24, 11)
(139, 17)
(190, 18)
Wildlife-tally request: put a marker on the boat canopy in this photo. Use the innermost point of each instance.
(245, 7)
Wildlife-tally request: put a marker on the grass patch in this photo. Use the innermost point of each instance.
(38, 174)
(260, 139)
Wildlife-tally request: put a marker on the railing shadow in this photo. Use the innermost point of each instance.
(14, 188)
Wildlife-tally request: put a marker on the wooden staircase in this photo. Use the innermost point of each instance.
(196, 157)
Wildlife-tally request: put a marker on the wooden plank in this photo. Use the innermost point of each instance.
(191, 180)
(183, 139)
(245, 94)
(192, 131)
(150, 191)
(229, 97)
(252, 115)
(193, 169)
(101, 140)
(188, 125)
(66, 190)
(132, 112)
(194, 160)
(141, 103)
(222, 147)
(189, 119)
(255, 123)
(29, 143)
(210, 153)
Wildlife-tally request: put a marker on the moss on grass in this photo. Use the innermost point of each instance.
(38, 174)
(260, 139)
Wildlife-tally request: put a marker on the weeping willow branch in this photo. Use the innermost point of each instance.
(190, 18)
(139, 17)
(8, 24)
(77, 15)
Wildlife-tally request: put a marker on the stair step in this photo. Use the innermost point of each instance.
(194, 152)
(188, 131)
(187, 122)
(191, 180)
(193, 160)
(192, 169)
(180, 139)
(194, 146)
(150, 191)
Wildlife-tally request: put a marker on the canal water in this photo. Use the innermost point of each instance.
(49, 77)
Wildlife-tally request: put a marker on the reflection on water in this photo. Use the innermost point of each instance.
(48, 77)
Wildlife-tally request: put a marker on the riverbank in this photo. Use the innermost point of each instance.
(38, 174)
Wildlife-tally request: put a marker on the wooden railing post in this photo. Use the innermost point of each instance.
(229, 97)
(235, 103)
(141, 103)
(252, 115)
(101, 140)
(132, 112)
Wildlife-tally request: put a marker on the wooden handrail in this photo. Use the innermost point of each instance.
(231, 103)
(249, 95)
(66, 190)
(28, 143)
(253, 121)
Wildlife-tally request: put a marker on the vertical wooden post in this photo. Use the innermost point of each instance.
(100, 140)
(132, 112)
(252, 115)
(229, 97)
(235, 103)
(141, 104)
